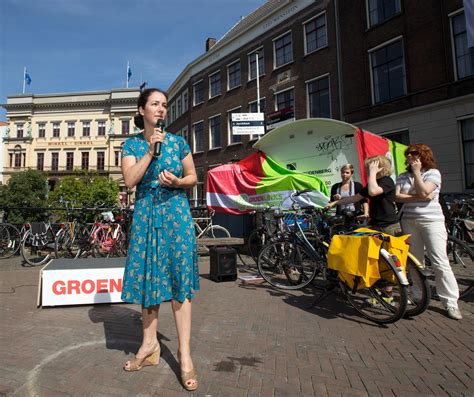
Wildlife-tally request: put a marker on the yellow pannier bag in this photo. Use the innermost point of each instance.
(355, 256)
(396, 246)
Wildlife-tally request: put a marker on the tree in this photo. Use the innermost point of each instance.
(71, 192)
(27, 190)
(85, 191)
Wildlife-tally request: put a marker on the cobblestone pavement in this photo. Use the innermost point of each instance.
(248, 340)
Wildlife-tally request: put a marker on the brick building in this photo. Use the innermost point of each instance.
(397, 68)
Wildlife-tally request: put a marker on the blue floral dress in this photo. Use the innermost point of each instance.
(162, 261)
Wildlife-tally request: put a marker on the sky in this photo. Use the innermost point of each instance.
(84, 45)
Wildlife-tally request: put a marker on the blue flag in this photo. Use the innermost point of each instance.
(129, 73)
(27, 78)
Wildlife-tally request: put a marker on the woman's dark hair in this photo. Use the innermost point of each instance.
(426, 156)
(141, 102)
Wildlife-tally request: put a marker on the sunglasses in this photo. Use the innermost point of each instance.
(412, 152)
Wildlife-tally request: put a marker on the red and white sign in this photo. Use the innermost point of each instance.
(76, 286)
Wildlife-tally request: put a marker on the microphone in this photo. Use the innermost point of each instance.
(157, 150)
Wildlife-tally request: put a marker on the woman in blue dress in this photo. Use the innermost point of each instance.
(162, 262)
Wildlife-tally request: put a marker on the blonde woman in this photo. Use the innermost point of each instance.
(347, 188)
(380, 190)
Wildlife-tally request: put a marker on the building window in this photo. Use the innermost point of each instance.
(100, 161)
(233, 75)
(20, 130)
(70, 129)
(41, 131)
(318, 98)
(69, 161)
(199, 191)
(253, 106)
(231, 137)
(179, 111)
(40, 161)
(17, 156)
(215, 132)
(198, 134)
(285, 99)
(315, 34)
(56, 130)
(101, 128)
(125, 127)
(85, 160)
(402, 137)
(253, 109)
(283, 50)
(117, 158)
(253, 64)
(185, 101)
(54, 161)
(214, 84)
(463, 55)
(381, 10)
(388, 72)
(467, 130)
(86, 128)
(198, 93)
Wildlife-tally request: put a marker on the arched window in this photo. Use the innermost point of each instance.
(17, 156)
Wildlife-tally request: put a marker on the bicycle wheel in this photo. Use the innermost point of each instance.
(102, 244)
(10, 240)
(216, 231)
(384, 302)
(38, 248)
(419, 291)
(461, 258)
(286, 265)
(255, 243)
(66, 245)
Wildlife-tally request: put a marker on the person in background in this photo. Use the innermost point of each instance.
(162, 261)
(422, 217)
(346, 188)
(380, 190)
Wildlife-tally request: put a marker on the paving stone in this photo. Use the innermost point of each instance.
(247, 341)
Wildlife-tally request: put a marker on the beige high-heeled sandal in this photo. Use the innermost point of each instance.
(138, 363)
(187, 376)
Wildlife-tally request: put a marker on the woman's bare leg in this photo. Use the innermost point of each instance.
(182, 316)
(150, 327)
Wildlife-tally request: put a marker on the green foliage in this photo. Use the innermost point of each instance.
(28, 190)
(86, 191)
(70, 192)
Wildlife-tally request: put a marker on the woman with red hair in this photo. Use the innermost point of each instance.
(422, 217)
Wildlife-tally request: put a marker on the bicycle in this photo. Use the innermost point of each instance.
(418, 291)
(38, 246)
(205, 228)
(10, 240)
(293, 263)
(270, 229)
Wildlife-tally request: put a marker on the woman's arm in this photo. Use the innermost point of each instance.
(410, 198)
(372, 186)
(365, 206)
(346, 200)
(423, 189)
(188, 180)
(133, 170)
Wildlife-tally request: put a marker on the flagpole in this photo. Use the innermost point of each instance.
(24, 79)
(126, 75)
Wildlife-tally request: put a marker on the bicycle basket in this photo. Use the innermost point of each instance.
(289, 221)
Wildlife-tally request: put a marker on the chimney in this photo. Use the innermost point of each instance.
(210, 43)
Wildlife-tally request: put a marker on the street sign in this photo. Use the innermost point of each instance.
(248, 124)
